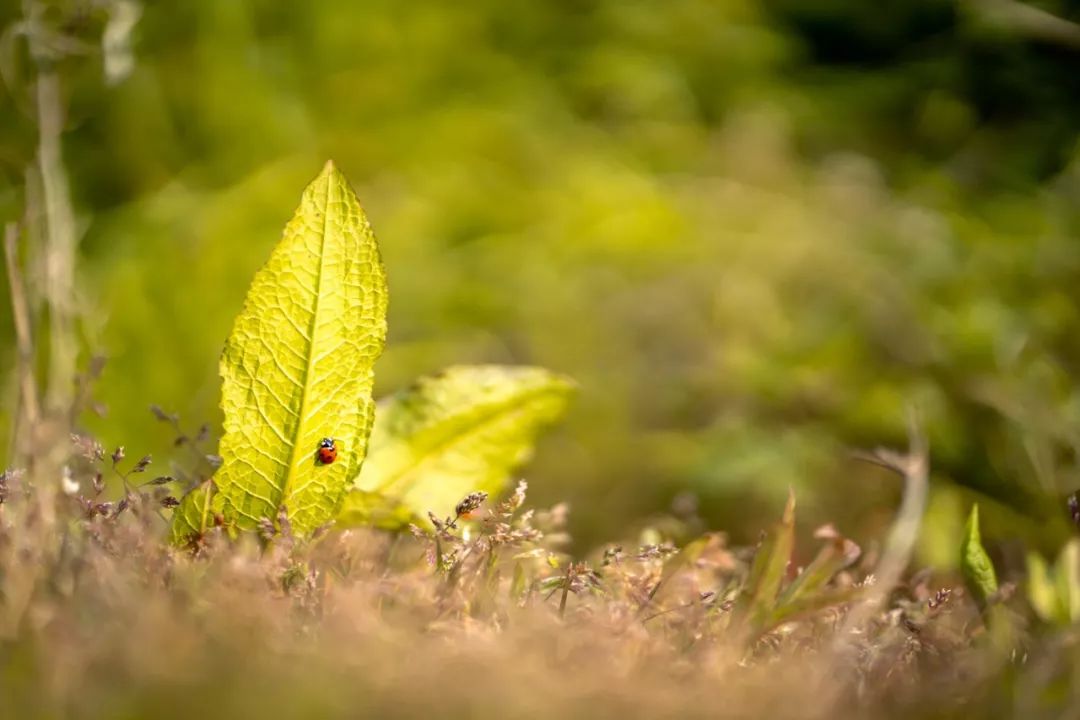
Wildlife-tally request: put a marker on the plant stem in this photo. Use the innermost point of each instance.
(57, 219)
(28, 413)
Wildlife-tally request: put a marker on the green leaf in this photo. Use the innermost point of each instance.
(193, 515)
(809, 593)
(1067, 576)
(834, 556)
(298, 365)
(1042, 594)
(758, 597)
(367, 509)
(1054, 593)
(463, 430)
(809, 604)
(975, 564)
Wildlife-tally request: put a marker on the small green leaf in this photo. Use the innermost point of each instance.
(193, 515)
(758, 596)
(975, 564)
(1067, 581)
(809, 604)
(298, 365)
(1054, 593)
(461, 431)
(834, 556)
(1041, 591)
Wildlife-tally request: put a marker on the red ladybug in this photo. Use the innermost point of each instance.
(327, 451)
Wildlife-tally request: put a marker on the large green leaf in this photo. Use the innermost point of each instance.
(298, 365)
(368, 509)
(463, 430)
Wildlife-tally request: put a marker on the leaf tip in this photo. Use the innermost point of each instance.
(975, 563)
(789, 507)
(329, 174)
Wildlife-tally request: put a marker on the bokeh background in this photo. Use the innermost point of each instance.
(754, 231)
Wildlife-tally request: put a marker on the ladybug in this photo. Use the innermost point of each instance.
(327, 451)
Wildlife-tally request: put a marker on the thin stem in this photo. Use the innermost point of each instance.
(193, 445)
(57, 219)
(29, 412)
(566, 589)
(914, 467)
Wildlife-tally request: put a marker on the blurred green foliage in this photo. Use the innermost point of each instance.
(753, 231)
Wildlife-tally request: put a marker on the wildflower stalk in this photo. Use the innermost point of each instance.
(914, 468)
(57, 217)
(28, 413)
(566, 589)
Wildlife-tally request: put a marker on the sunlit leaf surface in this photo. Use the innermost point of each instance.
(298, 365)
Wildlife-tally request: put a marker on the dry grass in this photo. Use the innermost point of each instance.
(484, 617)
